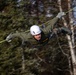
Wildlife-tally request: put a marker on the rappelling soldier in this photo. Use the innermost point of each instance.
(38, 35)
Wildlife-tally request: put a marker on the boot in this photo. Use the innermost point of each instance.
(66, 30)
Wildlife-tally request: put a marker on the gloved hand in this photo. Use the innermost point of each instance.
(9, 38)
(60, 14)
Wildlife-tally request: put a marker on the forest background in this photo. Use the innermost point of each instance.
(19, 15)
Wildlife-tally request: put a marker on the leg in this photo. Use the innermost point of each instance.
(64, 30)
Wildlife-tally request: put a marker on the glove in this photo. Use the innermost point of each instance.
(9, 38)
(60, 14)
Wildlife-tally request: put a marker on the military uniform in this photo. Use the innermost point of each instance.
(27, 37)
(45, 34)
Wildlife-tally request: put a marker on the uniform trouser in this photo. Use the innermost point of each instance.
(63, 30)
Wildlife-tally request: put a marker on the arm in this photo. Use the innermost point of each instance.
(22, 35)
(51, 23)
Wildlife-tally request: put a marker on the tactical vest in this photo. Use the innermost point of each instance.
(44, 39)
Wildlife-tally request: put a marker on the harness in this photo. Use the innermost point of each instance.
(45, 41)
(45, 38)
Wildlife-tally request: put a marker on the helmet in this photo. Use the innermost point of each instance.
(34, 30)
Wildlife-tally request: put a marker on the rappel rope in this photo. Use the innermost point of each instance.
(65, 13)
(70, 10)
(2, 41)
(43, 23)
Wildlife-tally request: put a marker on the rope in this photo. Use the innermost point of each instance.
(70, 10)
(65, 13)
(52, 19)
(41, 24)
(2, 41)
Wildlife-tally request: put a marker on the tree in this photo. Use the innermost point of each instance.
(19, 15)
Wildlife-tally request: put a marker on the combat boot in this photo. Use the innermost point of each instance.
(66, 30)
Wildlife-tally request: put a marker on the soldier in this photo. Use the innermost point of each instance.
(39, 35)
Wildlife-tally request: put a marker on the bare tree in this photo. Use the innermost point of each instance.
(69, 41)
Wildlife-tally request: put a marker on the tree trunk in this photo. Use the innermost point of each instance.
(72, 29)
(69, 42)
(71, 21)
(23, 60)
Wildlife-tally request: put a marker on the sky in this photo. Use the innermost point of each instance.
(74, 11)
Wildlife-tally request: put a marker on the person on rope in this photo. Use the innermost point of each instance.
(38, 35)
